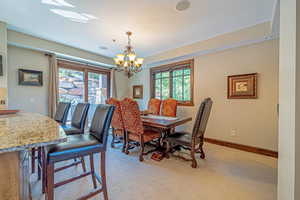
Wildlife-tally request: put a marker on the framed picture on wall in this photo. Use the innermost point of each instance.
(30, 77)
(243, 86)
(137, 91)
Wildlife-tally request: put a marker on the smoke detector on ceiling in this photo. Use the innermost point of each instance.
(103, 47)
(183, 5)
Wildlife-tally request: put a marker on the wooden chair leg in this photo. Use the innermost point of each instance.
(141, 158)
(103, 175)
(202, 154)
(93, 170)
(50, 181)
(194, 161)
(113, 139)
(43, 170)
(126, 141)
(83, 164)
(39, 163)
(33, 160)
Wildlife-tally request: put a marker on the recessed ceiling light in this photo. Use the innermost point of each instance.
(69, 14)
(183, 5)
(58, 3)
(74, 16)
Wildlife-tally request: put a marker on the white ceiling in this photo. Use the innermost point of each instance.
(155, 24)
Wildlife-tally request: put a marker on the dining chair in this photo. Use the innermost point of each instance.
(117, 123)
(134, 130)
(77, 126)
(78, 120)
(79, 146)
(62, 112)
(193, 142)
(169, 107)
(154, 106)
(61, 115)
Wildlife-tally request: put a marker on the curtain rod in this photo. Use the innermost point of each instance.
(87, 63)
(83, 63)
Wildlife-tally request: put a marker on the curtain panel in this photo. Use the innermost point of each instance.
(53, 85)
(113, 84)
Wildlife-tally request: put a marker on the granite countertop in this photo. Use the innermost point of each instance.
(27, 130)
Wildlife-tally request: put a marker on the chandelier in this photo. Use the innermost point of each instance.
(128, 61)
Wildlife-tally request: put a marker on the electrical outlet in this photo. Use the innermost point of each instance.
(233, 132)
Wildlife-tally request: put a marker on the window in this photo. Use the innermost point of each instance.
(82, 83)
(173, 81)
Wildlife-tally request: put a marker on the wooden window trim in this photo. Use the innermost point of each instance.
(172, 67)
(86, 69)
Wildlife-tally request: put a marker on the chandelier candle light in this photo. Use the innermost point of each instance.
(128, 61)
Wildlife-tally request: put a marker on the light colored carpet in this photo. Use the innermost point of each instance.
(225, 174)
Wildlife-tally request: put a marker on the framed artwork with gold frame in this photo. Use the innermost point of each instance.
(137, 91)
(243, 86)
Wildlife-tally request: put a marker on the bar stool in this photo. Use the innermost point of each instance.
(79, 146)
(76, 127)
(61, 117)
(78, 120)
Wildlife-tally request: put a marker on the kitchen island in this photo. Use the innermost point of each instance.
(19, 133)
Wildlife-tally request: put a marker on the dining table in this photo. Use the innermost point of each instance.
(164, 125)
(19, 133)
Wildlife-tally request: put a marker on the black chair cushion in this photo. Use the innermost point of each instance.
(181, 138)
(76, 146)
(71, 130)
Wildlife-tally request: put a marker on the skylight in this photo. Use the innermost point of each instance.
(74, 16)
(58, 3)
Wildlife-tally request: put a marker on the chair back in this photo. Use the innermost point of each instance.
(117, 120)
(169, 108)
(202, 118)
(62, 111)
(80, 115)
(131, 116)
(154, 106)
(101, 122)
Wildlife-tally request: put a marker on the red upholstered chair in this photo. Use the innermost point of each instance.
(169, 108)
(134, 129)
(154, 106)
(117, 121)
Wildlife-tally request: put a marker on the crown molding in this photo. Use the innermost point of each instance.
(211, 51)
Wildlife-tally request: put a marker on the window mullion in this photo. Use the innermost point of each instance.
(171, 84)
(86, 85)
(160, 88)
(182, 92)
(154, 88)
